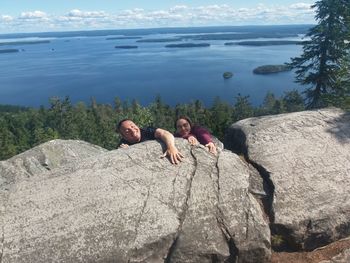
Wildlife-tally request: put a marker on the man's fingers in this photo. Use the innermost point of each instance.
(173, 159)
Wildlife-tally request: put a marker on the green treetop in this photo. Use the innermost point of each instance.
(325, 54)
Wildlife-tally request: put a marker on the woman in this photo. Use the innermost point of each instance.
(194, 134)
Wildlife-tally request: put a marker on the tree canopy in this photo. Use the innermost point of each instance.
(22, 128)
(324, 63)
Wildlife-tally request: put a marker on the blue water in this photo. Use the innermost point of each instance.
(81, 67)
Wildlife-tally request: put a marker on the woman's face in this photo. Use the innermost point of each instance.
(183, 127)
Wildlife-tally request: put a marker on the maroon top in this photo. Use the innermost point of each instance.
(200, 133)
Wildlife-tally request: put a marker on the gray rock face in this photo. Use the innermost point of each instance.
(38, 163)
(45, 157)
(80, 203)
(305, 160)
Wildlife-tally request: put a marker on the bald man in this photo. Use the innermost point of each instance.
(132, 134)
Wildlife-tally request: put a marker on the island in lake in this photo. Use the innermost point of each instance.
(24, 42)
(268, 69)
(121, 38)
(126, 47)
(227, 75)
(265, 43)
(10, 50)
(237, 36)
(158, 40)
(188, 45)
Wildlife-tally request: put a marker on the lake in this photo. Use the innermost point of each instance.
(82, 65)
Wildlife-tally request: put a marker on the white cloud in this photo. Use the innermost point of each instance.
(6, 18)
(178, 8)
(86, 14)
(33, 15)
(179, 15)
(301, 6)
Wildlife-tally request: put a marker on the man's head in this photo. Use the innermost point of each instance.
(129, 131)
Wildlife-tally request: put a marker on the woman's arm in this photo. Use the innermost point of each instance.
(205, 138)
(202, 135)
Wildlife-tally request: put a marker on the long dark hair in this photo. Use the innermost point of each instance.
(185, 118)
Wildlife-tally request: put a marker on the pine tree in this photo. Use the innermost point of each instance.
(242, 108)
(324, 54)
(293, 101)
(268, 104)
(221, 117)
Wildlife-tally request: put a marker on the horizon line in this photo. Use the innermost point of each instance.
(154, 28)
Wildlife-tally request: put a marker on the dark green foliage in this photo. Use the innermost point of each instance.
(340, 96)
(293, 101)
(324, 61)
(271, 105)
(12, 108)
(220, 117)
(7, 142)
(242, 108)
(23, 128)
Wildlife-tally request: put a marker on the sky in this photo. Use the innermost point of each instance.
(18, 16)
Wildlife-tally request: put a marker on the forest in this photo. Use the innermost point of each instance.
(22, 128)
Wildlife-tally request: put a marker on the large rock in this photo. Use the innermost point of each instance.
(129, 205)
(39, 162)
(45, 157)
(304, 158)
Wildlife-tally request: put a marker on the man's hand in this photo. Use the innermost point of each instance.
(123, 145)
(174, 155)
(172, 152)
(211, 148)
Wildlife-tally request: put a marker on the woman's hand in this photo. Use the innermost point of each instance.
(211, 148)
(192, 140)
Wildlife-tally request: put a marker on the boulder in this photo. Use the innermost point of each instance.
(68, 201)
(38, 163)
(42, 159)
(304, 158)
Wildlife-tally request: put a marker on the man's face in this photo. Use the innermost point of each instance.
(130, 132)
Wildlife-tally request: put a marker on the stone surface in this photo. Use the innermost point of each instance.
(39, 163)
(343, 257)
(45, 157)
(304, 158)
(129, 205)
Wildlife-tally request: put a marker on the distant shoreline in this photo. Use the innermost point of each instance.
(32, 42)
(185, 45)
(265, 43)
(291, 29)
(126, 47)
(10, 50)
